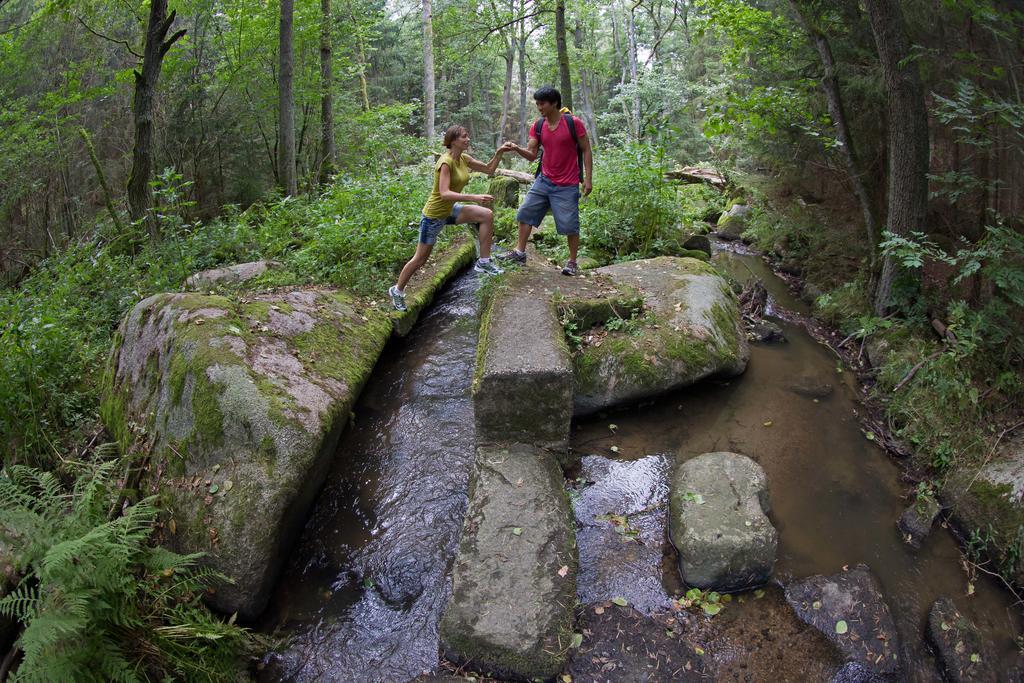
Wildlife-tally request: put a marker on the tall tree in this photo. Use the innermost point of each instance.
(907, 120)
(563, 54)
(837, 112)
(524, 116)
(140, 194)
(428, 71)
(327, 153)
(286, 102)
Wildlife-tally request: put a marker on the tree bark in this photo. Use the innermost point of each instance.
(907, 195)
(286, 103)
(428, 72)
(140, 194)
(563, 54)
(586, 102)
(327, 151)
(836, 110)
(506, 93)
(633, 73)
(524, 116)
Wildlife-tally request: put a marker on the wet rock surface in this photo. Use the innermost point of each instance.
(765, 331)
(719, 523)
(364, 591)
(916, 521)
(963, 653)
(622, 515)
(848, 608)
(810, 386)
(514, 579)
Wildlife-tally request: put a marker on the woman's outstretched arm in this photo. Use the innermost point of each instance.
(487, 168)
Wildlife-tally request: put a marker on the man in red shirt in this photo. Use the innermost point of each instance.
(558, 181)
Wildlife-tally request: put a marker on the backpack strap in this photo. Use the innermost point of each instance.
(537, 128)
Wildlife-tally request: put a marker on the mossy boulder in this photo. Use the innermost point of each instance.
(505, 191)
(963, 651)
(240, 272)
(240, 403)
(733, 222)
(990, 503)
(514, 579)
(691, 330)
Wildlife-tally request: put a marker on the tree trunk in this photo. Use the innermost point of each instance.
(506, 93)
(633, 74)
(286, 103)
(327, 153)
(586, 102)
(836, 110)
(907, 195)
(563, 54)
(364, 89)
(524, 116)
(428, 72)
(140, 194)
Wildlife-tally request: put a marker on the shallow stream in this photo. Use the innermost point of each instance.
(363, 594)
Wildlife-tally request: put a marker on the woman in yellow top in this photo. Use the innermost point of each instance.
(451, 173)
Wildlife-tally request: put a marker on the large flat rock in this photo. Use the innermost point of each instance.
(690, 330)
(524, 377)
(719, 508)
(514, 580)
(240, 403)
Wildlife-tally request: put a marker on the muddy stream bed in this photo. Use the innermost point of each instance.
(365, 587)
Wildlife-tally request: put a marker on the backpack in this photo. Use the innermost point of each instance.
(539, 126)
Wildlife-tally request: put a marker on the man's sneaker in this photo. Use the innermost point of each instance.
(514, 256)
(397, 298)
(487, 268)
(570, 268)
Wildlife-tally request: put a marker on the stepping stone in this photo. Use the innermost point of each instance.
(849, 609)
(719, 507)
(964, 654)
(622, 516)
(916, 521)
(514, 580)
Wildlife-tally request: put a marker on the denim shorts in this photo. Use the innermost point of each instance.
(430, 228)
(563, 200)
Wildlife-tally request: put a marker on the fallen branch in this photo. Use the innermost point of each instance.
(913, 371)
(522, 177)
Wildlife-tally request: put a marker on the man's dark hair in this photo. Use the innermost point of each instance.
(548, 94)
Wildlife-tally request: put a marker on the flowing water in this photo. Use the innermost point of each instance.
(363, 595)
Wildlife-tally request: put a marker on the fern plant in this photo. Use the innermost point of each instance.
(97, 601)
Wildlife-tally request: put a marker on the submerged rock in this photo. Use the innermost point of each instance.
(241, 402)
(765, 331)
(623, 516)
(620, 644)
(692, 331)
(964, 654)
(719, 523)
(810, 386)
(916, 521)
(514, 580)
(849, 609)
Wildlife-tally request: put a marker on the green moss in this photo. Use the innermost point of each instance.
(724, 319)
(988, 515)
(695, 254)
(693, 353)
(257, 310)
(208, 425)
(176, 377)
(344, 349)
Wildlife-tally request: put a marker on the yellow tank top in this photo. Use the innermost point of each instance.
(435, 206)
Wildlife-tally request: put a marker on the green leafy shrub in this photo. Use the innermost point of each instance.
(97, 601)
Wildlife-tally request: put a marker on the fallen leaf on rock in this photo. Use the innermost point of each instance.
(621, 602)
(564, 570)
(577, 640)
(599, 610)
(842, 627)
(518, 531)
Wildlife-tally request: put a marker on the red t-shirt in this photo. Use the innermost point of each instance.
(559, 163)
